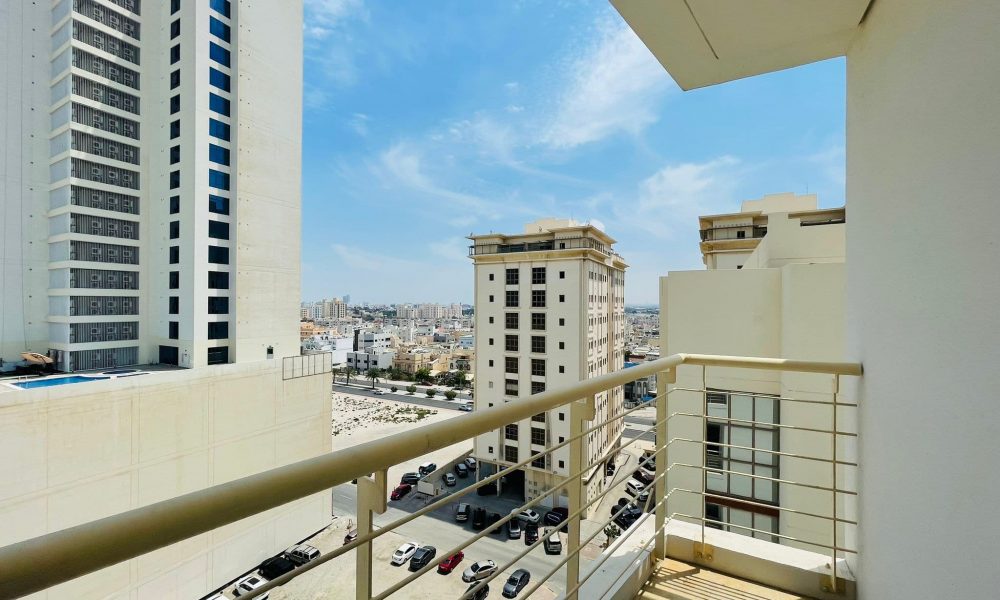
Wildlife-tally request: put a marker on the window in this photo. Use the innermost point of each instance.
(562, 274)
(172, 329)
(538, 344)
(538, 298)
(491, 276)
(175, 29)
(741, 234)
(218, 179)
(562, 322)
(491, 362)
(510, 364)
(218, 204)
(513, 277)
(538, 367)
(537, 387)
(175, 255)
(510, 453)
(218, 230)
(175, 5)
(218, 79)
(218, 255)
(510, 432)
(175, 129)
(175, 205)
(220, 6)
(538, 321)
(218, 129)
(175, 54)
(510, 321)
(562, 345)
(510, 343)
(539, 462)
(491, 297)
(174, 305)
(218, 29)
(562, 416)
(218, 280)
(512, 299)
(510, 387)
(562, 369)
(218, 154)
(491, 320)
(538, 275)
(539, 418)
(490, 448)
(175, 155)
(491, 341)
(537, 436)
(175, 180)
(218, 356)
(218, 330)
(175, 79)
(175, 229)
(174, 280)
(218, 54)
(562, 297)
(562, 464)
(218, 104)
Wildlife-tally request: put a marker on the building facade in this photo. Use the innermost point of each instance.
(549, 311)
(155, 154)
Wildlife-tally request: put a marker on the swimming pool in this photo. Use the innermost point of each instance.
(40, 383)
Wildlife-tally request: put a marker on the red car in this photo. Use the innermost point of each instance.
(450, 563)
(400, 491)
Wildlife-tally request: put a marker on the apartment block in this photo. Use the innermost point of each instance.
(549, 311)
(153, 153)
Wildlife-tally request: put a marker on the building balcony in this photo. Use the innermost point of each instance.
(732, 232)
(575, 243)
(688, 540)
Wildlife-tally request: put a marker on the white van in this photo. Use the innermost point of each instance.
(302, 554)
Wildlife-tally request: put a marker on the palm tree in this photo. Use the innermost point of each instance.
(374, 373)
(347, 375)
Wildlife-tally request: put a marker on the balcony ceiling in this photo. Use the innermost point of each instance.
(705, 42)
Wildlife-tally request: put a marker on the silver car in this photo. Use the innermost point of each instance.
(479, 570)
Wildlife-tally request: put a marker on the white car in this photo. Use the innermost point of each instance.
(529, 516)
(249, 584)
(380, 392)
(467, 407)
(471, 463)
(404, 553)
(479, 570)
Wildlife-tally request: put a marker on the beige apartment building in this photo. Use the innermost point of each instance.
(775, 291)
(550, 311)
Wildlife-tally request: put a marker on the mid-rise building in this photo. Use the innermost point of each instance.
(152, 156)
(550, 310)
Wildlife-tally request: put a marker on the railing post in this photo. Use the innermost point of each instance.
(660, 446)
(579, 411)
(371, 499)
(833, 559)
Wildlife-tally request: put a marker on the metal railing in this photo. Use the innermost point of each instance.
(732, 232)
(42, 562)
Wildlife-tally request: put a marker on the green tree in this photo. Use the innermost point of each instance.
(374, 373)
(450, 394)
(431, 392)
(412, 389)
(423, 375)
(460, 380)
(347, 375)
(612, 531)
(393, 388)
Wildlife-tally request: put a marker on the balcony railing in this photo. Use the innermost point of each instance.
(733, 232)
(680, 476)
(542, 246)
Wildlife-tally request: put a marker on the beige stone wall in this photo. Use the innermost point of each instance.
(86, 451)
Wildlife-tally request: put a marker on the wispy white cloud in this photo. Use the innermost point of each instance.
(323, 16)
(359, 123)
(614, 85)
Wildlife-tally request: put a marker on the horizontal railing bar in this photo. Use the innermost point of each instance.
(41, 562)
(766, 424)
(766, 478)
(768, 397)
(765, 505)
(776, 452)
(765, 532)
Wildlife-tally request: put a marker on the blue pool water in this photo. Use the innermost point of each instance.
(38, 383)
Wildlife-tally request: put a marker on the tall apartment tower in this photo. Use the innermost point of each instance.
(150, 202)
(550, 311)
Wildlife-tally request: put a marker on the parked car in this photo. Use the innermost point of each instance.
(448, 565)
(515, 583)
(626, 502)
(422, 557)
(410, 478)
(275, 567)
(403, 553)
(470, 463)
(552, 543)
(351, 536)
(556, 516)
(461, 470)
(379, 392)
(626, 517)
(248, 584)
(530, 534)
(400, 491)
(462, 512)
(479, 594)
(427, 468)
(480, 569)
(643, 476)
(648, 460)
(449, 480)
(479, 518)
(513, 529)
(529, 516)
(609, 469)
(636, 489)
(491, 520)
(467, 407)
(303, 553)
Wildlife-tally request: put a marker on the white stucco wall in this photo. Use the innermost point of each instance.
(923, 145)
(89, 450)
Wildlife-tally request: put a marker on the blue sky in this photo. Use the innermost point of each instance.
(427, 121)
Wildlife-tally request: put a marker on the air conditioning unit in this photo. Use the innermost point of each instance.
(97, 93)
(98, 120)
(97, 146)
(112, 174)
(98, 14)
